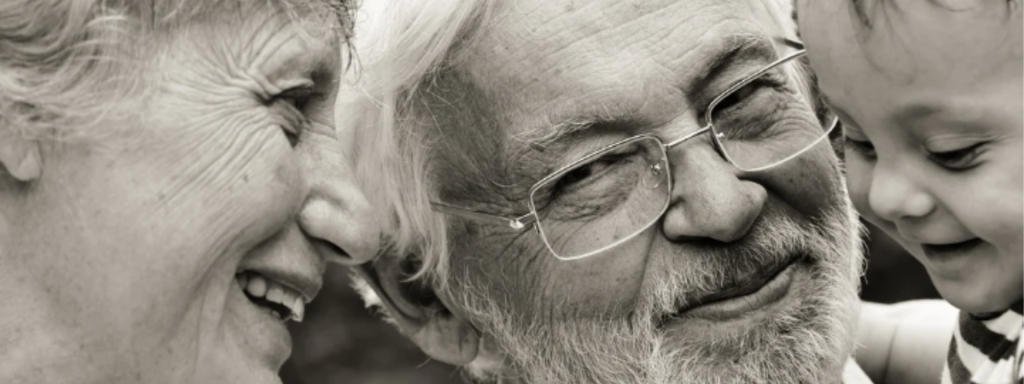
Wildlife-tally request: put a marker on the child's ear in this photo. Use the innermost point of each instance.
(20, 158)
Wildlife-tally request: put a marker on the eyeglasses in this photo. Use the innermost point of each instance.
(613, 194)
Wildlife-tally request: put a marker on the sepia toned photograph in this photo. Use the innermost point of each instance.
(511, 191)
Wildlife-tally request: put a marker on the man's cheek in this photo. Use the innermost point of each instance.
(858, 183)
(606, 285)
(811, 183)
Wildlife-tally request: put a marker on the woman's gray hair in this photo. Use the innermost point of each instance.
(402, 46)
(67, 64)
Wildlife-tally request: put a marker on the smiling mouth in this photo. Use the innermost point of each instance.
(275, 298)
(951, 249)
(744, 288)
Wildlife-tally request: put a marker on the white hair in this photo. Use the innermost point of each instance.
(401, 45)
(67, 64)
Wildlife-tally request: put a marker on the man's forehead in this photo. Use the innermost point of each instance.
(579, 55)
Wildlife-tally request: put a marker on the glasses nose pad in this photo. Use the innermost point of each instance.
(654, 176)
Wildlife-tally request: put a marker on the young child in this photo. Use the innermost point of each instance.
(931, 97)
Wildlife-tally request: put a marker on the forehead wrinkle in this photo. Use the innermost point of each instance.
(523, 61)
(236, 61)
(738, 48)
(288, 52)
(527, 70)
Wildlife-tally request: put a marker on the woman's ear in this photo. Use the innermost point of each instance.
(20, 158)
(419, 312)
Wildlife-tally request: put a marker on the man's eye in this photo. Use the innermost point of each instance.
(292, 104)
(584, 172)
(863, 148)
(959, 159)
(738, 96)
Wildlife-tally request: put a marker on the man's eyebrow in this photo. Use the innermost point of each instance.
(737, 50)
(539, 140)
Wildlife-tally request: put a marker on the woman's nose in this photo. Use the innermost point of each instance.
(341, 225)
(893, 196)
(336, 215)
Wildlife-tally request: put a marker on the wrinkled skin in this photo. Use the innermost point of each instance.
(637, 65)
(934, 130)
(119, 261)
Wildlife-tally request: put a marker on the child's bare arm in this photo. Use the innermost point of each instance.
(905, 342)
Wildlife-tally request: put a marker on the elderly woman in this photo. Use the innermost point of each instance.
(171, 186)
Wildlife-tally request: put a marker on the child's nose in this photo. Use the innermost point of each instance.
(894, 196)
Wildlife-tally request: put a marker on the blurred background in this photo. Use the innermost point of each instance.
(341, 341)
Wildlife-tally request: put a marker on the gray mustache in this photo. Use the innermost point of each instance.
(690, 274)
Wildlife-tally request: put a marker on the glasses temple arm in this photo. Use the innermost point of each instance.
(515, 223)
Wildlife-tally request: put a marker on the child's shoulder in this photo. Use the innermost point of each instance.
(986, 348)
(905, 342)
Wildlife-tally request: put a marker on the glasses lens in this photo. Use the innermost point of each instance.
(606, 199)
(765, 121)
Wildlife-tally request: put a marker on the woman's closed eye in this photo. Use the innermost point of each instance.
(958, 159)
(863, 148)
(292, 105)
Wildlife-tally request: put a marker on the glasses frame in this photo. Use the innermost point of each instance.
(522, 222)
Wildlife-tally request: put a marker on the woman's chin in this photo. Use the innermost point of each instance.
(258, 333)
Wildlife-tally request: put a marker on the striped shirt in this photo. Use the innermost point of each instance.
(985, 349)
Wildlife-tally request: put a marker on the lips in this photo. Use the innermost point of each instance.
(273, 296)
(279, 285)
(741, 286)
(939, 251)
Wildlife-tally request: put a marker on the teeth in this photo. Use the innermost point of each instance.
(275, 294)
(298, 309)
(259, 286)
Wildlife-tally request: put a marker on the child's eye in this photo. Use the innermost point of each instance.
(959, 159)
(863, 148)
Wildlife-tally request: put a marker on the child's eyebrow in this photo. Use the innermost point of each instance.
(917, 111)
(968, 116)
(845, 117)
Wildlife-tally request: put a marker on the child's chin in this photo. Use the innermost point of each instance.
(971, 295)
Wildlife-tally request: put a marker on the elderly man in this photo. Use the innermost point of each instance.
(606, 192)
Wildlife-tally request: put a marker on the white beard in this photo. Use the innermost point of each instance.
(808, 346)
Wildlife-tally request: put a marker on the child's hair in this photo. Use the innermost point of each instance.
(869, 13)
(865, 10)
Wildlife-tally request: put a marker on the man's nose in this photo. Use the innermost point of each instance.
(708, 199)
(893, 196)
(336, 214)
